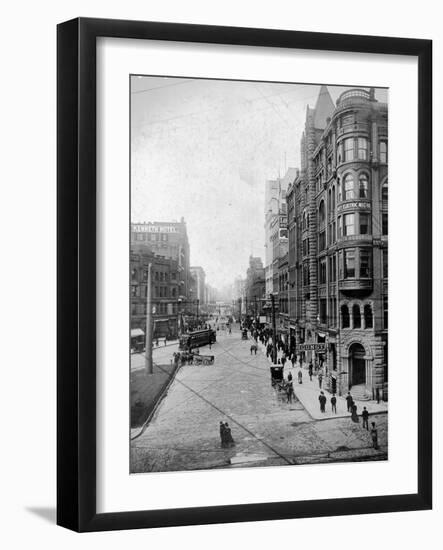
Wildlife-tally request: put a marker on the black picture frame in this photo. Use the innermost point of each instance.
(76, 265)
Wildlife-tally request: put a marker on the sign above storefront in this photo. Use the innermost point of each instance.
(311, 347)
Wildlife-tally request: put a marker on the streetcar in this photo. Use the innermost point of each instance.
(197, 338)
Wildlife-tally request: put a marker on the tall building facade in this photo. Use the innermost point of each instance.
(167, 239)
(199, 276)
(338, 241)
(276, 242)
(165, 292)
(255, 287)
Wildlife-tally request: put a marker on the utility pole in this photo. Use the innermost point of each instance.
(274, 335)
(148, 337)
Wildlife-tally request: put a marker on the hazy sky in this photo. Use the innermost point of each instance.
(203, 149)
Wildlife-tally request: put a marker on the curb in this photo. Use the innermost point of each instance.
(322, 418)
(157, 404)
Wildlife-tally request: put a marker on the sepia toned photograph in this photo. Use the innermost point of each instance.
(258, 274)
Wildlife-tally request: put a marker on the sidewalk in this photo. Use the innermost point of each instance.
(307, 393)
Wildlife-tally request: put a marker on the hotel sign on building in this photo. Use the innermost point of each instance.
(144, 228)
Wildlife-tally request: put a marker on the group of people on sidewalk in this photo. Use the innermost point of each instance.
(352, 408)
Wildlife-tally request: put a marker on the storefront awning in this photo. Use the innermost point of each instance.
(137, 332)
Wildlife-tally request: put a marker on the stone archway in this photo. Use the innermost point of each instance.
(357, 364)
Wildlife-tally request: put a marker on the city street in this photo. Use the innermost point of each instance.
(183, 433)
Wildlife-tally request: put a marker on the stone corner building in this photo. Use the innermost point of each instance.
(338, 244)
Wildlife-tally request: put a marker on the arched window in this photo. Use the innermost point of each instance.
(363, 186)
(368, 316)
(344, 316)
(348, 187)
(321, 213)
(384, 191)
(356, 315)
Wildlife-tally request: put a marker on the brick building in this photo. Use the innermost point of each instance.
(338, 243)
(165, 291)
(170, 240)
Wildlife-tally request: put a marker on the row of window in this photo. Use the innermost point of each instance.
(350, 188)
(158, 291)
(158, 275)
(355, 223)
(152, 237)
(324, 318)
(353, 263)
(160, 308)
(358, 149)
(353, 318)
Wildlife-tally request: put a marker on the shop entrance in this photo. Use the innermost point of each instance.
(357, 362)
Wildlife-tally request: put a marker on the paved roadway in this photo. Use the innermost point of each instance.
(184, 432)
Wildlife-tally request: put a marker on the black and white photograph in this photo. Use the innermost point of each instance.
(258, 274)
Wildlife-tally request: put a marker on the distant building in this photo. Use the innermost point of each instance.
(199, 284)
(338, 241)
(255, 287)
(240, 296)
(276, 234)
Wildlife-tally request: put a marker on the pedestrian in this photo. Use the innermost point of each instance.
(252, 348)
(377, 395)
(374, 435)
(165, 341)
(334, 403)
(229, 439)
(255, 350)
(310, 371)
(322, 399)
(283, 360)
(290, 377)
(289, 391)
(320, 379)
(354, 415)
(349, 401)
(365, 416)
(293, 360)
(222, 435)
(300, 376)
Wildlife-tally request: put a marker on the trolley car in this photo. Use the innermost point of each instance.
(196, 339)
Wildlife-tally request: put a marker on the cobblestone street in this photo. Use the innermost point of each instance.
(184, 431)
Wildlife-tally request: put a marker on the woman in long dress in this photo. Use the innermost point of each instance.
(229, 439)
(222, 434)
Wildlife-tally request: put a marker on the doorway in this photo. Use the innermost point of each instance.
(358, 364)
